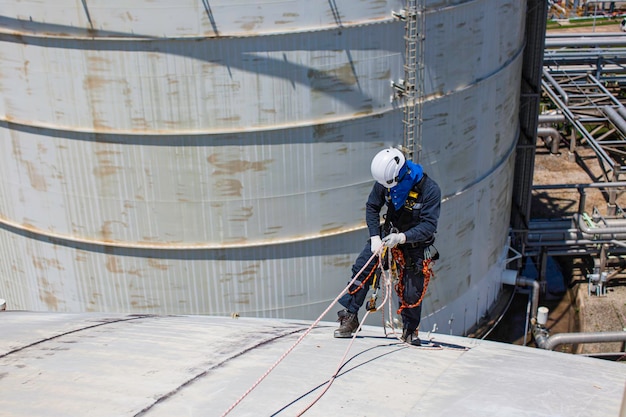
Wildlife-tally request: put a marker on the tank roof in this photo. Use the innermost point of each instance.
(134, 365)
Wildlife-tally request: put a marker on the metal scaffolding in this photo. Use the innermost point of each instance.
(581, 81)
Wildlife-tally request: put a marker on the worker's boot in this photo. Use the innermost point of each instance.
(411, 338)
(348, 323)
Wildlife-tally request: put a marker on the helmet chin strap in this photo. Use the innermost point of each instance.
(403, 171)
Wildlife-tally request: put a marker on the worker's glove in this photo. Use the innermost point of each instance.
(376, 243)
(394, 239)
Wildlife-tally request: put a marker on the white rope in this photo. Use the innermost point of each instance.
(288, 351)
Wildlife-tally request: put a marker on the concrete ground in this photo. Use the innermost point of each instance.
(602, 314)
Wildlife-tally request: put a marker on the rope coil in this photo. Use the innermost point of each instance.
(427, 270)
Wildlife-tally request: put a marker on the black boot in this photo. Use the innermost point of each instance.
(411, 338)
(348, 323)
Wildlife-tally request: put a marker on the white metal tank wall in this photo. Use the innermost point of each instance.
(213, 156)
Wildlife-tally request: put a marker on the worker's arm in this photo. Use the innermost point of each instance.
(375, 203)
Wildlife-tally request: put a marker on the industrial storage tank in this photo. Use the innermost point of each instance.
(212, 157)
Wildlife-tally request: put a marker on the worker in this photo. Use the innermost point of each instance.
(413, 202)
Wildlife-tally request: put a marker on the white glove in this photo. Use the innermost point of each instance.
(394, 239)
(376, 243)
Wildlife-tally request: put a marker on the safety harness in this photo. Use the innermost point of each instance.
(404, 219)
(398, 262)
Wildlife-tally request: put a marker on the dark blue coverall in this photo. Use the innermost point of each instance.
(419, 225)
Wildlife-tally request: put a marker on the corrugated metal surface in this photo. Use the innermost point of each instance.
(213, 157)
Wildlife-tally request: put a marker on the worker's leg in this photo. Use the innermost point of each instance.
(353, 302)
(349, 318)
(413, 287)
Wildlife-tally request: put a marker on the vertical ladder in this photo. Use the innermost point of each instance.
(412, 89)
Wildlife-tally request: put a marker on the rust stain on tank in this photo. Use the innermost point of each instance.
(366, 109)
(250, 22)
(112, 265)
(330, 228)
(93, 82)
(226, 278)
(156, 264)
(322, 130)
(127, 17)
(242, 214)
(233, 119)
(233, 166)
(272, 230)
(229, 187)
(242, 299)
(344, 261)
(106, 152)
(346, 75)
(46, 294)
(105, 164)
(104, 171)
(144, 305)
(140, 123)
(37, 181)
(300, 294)
(46, 263)
(249, 273)
(340, 79)
(236, 240)
(106, 229)
(98, 62)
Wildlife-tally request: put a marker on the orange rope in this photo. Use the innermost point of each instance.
(427, 270)
(362, 284)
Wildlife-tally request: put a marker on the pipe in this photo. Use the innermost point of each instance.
(551, 118)
(584, 40)
(541, 336)
(527, 282)
(553, 134)
(614, 184)
(556, 86)
(618, 243)
(510, 277)
(593, 337)
(580, 221)
(616, 118)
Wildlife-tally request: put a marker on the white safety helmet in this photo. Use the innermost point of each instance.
(386, 166)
